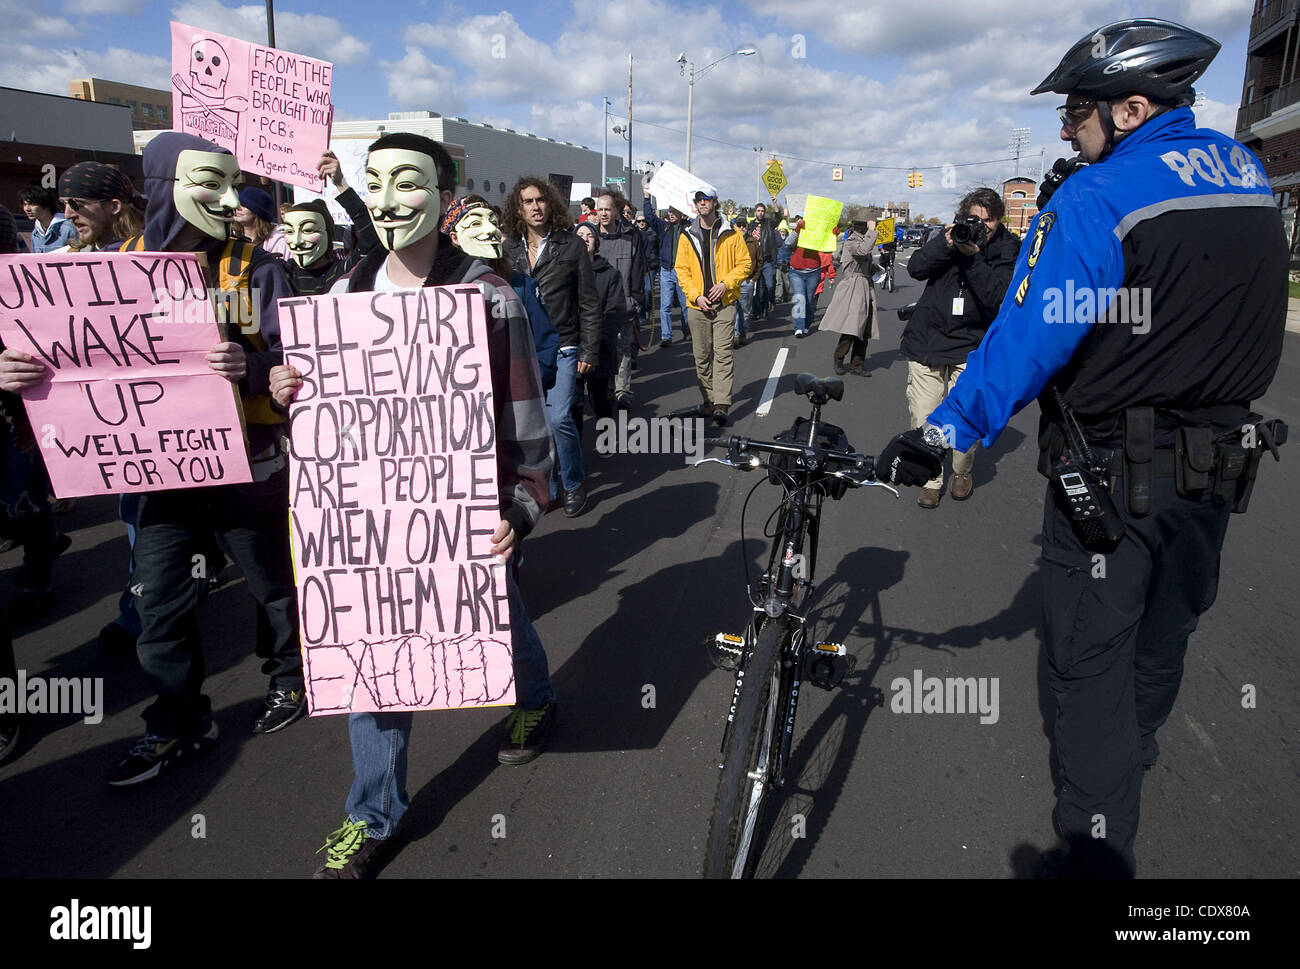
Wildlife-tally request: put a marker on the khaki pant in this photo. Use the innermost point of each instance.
(711, 341)
(926, 389)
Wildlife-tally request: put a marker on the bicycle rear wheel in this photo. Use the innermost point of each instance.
(747, 761)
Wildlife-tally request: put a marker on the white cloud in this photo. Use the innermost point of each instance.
(1217, 115)
(417, 82)
(22, 23)
(311, 34)
(49, 70)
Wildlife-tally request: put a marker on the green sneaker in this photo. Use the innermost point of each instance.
(350, 853)
(526, 733)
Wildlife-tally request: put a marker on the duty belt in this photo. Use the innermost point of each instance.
(1203, 458)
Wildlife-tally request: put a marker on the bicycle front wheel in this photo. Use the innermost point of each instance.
(647, 334)
(747, 761)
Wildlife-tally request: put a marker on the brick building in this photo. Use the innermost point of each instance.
(150, 107)
(1268, 121)
(1018, 195)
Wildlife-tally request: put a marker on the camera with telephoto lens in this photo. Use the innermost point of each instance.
(969, 229)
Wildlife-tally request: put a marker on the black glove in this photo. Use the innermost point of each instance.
(1061, 170)
(908, 460)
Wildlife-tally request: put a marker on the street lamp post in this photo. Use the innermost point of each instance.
(690, 88)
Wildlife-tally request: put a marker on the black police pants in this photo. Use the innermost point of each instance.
(1116, 627)
(173, 539)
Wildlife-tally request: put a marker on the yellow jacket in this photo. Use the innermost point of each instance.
(731, 263)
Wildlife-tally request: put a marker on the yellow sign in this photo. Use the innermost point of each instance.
(885, 231)
(820, 216)
(774, 179)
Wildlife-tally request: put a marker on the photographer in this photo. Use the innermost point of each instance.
(966, 270)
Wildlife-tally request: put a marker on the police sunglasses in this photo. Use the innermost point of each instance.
(1073, 115)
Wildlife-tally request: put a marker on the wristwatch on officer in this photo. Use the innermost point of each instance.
(934, 437)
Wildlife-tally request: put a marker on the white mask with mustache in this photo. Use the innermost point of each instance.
(478, 233)
(402, 195)
(306, 237)
(204, 190)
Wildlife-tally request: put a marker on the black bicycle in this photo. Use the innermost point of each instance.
(775, 656)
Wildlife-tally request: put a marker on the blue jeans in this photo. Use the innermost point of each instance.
(745, 307)
(803, 286)
(379, 740)
(559, 412)
(668, 285)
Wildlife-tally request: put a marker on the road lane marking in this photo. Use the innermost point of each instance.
(769, 389)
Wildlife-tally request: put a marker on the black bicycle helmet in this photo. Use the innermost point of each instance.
(1140, 56)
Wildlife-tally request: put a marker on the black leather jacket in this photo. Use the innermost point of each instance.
(567, 287)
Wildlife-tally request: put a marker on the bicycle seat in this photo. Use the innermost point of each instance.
(819, 389)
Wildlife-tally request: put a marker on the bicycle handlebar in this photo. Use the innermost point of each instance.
(860, 468)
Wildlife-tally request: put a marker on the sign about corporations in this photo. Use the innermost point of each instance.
(795, 204)
(270, 107)
(820, 216)
(885, 231)
(393, 502)
(675, 187)
(130, 403)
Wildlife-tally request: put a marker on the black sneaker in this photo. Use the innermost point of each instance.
(151, 755)
(526, 733)
(350, 854)
(114, 638)
(666, 343)
(283, 707)
(575, 501)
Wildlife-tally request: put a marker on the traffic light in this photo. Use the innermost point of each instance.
(913, 179)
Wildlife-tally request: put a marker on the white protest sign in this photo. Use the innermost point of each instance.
(676, 187)
(351, 153)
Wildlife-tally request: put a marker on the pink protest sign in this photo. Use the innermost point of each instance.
(131, 403)
(393, 500)
(268, 106)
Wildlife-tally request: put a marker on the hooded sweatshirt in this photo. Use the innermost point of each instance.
(164, 231)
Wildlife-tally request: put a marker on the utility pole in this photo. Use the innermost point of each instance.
(690, 113)
(628, 186)
(604, 151)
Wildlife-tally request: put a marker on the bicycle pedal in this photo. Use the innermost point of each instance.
(826, 664)
(726, 651)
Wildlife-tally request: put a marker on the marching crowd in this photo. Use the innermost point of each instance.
(567, 305)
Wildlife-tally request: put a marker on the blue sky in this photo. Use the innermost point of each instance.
(891, 84)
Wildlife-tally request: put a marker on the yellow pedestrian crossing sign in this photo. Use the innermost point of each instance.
(774, 179)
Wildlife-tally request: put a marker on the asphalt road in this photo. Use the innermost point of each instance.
(625, 598)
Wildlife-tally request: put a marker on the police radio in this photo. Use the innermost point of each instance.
(1081, 489)
(1084, 495)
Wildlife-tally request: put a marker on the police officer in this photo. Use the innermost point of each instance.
(1145, 365)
